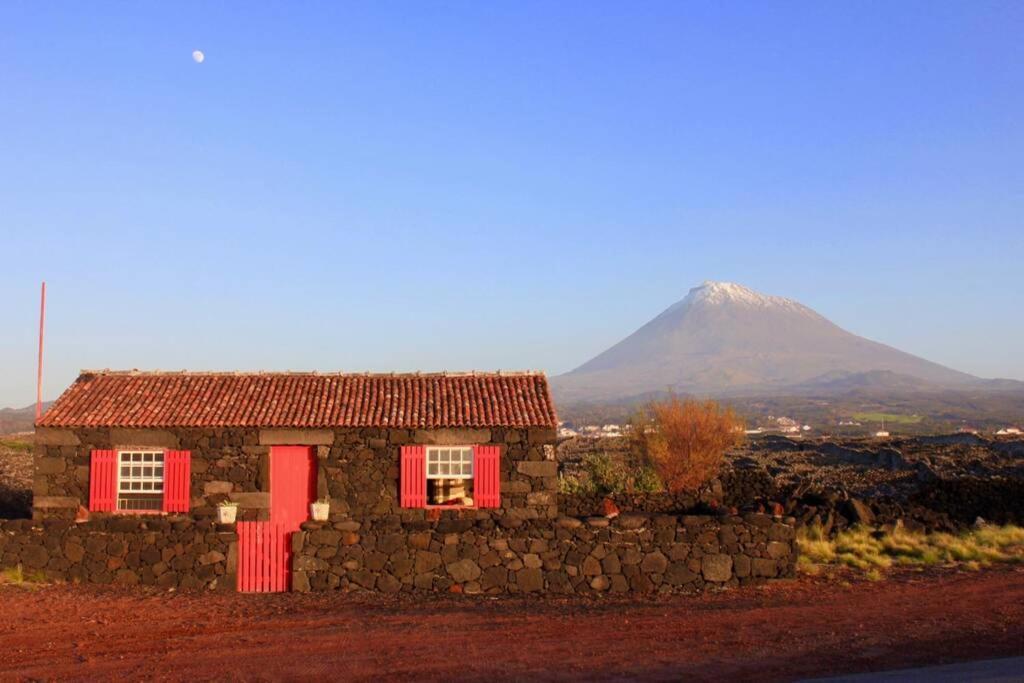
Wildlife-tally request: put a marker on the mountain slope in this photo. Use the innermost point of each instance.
(724, 338)
(19, 419)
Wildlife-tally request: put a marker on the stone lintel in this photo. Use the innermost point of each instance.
(123, 437)
(296, 437)
(452, 437)
(56, 436)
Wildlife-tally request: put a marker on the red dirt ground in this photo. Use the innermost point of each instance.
(781, 631)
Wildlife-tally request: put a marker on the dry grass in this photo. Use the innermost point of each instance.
(871, 551)
(16, 576)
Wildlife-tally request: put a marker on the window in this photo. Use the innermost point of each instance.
(140, 480)
(450, 475)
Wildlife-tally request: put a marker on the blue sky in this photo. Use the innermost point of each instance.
(402, 186)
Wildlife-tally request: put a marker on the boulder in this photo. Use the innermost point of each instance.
(655, 563)
(530, 580)
(858, 512)
(464, 570)
(716, 567)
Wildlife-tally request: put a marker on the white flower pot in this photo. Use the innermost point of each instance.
(226, 513)
(319, 511)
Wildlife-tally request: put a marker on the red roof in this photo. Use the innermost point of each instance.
(198, 399)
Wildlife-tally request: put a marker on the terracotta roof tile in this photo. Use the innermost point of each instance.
(209, 399)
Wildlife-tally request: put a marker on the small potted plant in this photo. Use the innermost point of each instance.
(320, 509)
(227, 510)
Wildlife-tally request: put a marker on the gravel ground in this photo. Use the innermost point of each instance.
(776, 632)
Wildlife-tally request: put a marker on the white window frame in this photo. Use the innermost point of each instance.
(148, 458)
(463, 461)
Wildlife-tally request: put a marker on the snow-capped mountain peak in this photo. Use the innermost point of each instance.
(711, 292)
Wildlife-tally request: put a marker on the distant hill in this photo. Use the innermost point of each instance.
(724, 339)
(19, 419)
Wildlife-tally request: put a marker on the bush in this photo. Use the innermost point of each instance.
(605, 474)
(685, 440)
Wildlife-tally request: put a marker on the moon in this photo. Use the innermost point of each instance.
(198, 56)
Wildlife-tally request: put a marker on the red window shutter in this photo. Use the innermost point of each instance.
(487, 476)
(177, 480)
(103, 481)
(414, 477)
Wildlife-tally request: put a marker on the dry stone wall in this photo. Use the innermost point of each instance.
(152, 551)
(632, 553)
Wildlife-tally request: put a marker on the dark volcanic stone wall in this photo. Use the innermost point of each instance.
(153, 551)
(632, 553)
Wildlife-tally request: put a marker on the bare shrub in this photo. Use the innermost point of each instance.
(685, 440)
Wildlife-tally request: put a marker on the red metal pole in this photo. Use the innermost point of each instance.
(39, 374)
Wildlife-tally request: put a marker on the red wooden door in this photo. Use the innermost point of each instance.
(292, 485)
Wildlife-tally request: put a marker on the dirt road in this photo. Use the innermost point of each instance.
(806, 627)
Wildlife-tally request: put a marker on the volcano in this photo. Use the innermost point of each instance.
(727, 339)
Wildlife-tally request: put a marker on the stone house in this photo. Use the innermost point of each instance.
(179, 443)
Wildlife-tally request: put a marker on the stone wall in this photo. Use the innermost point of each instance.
(154, 551)
(632, 553)
(358, 468)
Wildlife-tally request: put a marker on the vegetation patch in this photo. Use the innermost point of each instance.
(15, 444)
(685, 441)
(16, 576)
(892, 418)
(605, 474)
(871, 550)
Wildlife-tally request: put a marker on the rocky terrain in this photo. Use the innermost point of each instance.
(15, 476)
(933, 482)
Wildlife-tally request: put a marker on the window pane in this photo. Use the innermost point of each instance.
(125, 471)
(158, 472)
(467, 468)
(445, 468)
(432, 468)
(158, 457)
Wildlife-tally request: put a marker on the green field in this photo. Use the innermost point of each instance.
(891, 418)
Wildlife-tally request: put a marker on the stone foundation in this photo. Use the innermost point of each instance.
(632, 553)
(153, 551)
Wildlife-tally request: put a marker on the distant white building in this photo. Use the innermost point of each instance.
(567, 433)
(758, 430)
(882, 435)
(1009, 431)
